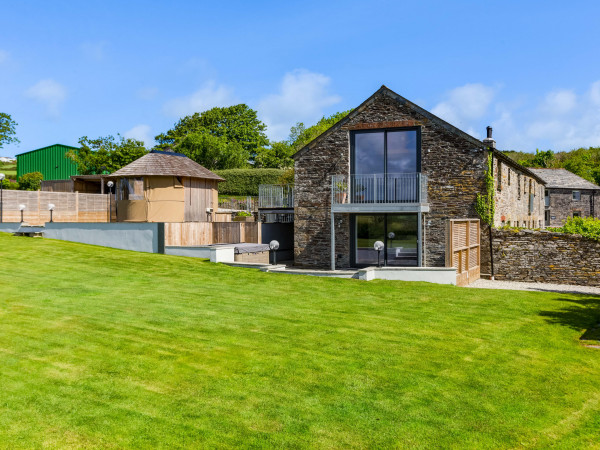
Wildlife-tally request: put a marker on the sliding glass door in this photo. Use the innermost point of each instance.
(398, 232)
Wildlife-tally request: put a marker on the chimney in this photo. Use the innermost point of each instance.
(489, 141)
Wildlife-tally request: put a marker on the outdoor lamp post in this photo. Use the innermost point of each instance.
(274, 245)
(391, 237)
(51, 209)
(110, 184)
(1, 185)
(22, 208)
(378, 246)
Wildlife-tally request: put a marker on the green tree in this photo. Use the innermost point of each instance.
(7, 130)
(105, 154)
(277, 156)
(543, 159)
(238, 123)
(31, 181)
(300, 135)
(213, 152)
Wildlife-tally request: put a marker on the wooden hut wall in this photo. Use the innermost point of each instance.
(199, 195)
(165, 196)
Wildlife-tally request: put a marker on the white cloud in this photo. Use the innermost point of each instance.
(559, 102)
(208, 96)
(95, 51)
(594, 93)
(561, 119)
(141, 132)
(465, 104)
(49, 93)
(303, 97)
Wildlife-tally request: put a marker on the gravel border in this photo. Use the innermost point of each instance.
(528, 286)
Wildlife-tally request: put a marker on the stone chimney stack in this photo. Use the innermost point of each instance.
(489, 141)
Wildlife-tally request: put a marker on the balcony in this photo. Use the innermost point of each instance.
(403, 192)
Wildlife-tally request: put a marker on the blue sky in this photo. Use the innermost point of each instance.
(530, 69)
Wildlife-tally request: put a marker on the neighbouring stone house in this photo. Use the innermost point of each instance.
(519, 194)
(393, 172)
(567, 195)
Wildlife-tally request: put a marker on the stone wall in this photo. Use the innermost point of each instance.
(562, 205)
(542, 256)
(512, 197)
(454, 165)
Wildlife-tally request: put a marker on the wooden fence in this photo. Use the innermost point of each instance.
(463, 249)
(206, 233)
(68, 207)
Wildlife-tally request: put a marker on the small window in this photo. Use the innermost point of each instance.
(519, 186)
(576, 213)
(178, 183)
(509, 171)
(576, 196)
(499, 175)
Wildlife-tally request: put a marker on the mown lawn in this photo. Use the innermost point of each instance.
(109, 348)
(9, 169)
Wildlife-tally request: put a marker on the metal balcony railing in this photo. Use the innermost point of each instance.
(379, 188)
(275, 196)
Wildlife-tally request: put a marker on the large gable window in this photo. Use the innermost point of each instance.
(385, 165)
(394, 151)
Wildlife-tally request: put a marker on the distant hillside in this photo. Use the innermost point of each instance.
(9, 169)
(584, 162)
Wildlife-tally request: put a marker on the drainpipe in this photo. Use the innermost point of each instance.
(332, 228)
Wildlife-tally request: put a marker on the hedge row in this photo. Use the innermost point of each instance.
(246, 181)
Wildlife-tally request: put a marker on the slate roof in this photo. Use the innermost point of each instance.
(165, 163)
(563, 179)
(384, 90)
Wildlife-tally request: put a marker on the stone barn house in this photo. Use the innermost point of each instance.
(567, 195)
(393, 172)
(163, 186)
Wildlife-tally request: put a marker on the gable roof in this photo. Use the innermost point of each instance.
(563, 179)
(384, 90)
(165, 163)
(70, 147)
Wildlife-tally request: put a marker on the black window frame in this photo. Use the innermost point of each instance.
(353, 134)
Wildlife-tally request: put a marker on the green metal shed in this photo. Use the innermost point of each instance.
(50, 161)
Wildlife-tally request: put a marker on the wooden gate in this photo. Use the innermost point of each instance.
(463, 249)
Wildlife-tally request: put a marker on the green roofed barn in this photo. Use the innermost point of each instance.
(50, 161)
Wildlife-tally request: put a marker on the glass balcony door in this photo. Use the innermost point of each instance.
(398, 232)
(384, 165)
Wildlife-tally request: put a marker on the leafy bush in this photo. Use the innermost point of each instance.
(31, 181)
(244, 214)
(287, 177)
(586, 226)
(246, 181)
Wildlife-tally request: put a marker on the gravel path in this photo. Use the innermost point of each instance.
(525, 286)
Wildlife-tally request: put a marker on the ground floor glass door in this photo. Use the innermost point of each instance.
(398, 232)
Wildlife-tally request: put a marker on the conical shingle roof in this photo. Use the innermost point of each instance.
(167, 163)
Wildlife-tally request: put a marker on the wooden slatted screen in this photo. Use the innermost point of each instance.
(463, 249)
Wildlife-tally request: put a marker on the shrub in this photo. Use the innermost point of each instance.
(31, 181)
(246, 181)
(287, 177)
(10, 185)
(586, 226)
